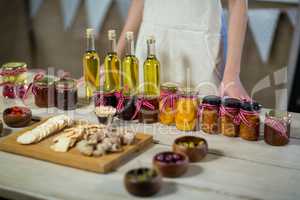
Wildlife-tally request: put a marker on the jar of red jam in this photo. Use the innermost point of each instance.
(44, 91)
(14, 75)
(277, 128)
(146, 109)
(208, 112)
(229, 111)
(249, 121)
(66, 94)
(126, 106)
(103, 98)
(167, 103)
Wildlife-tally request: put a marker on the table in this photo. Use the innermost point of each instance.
(233, 169)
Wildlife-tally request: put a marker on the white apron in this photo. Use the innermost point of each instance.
(188, 38)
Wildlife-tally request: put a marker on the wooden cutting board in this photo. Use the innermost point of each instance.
(73, 158)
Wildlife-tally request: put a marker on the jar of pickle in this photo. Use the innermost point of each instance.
(186, 110)
(167, 103)
(209, 114)
(147, 109)
(14, 75)
(249, 121)
(44, 91)
(125, 106)
(229, 111)
(277, 128)
(66, 94)
(103, 98)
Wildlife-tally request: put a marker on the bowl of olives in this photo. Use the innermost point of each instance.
(171, 164)
(143, 182)
(195, 148)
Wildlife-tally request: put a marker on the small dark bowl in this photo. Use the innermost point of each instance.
(195, 153)
(145, 187)
(171, 169)
(17, 120)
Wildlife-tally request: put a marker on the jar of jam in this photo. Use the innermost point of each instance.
(208, 112)
(277, 128)
(167, 103)
(249, 121)
(44, 91)
(14, 75)
(125, 106)
(229, 111)
(147, 109)
(66, 94)
(186, 114)
(103, 98)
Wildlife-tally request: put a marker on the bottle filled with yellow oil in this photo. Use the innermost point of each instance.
(130, 68)
(112, 65)
(151, 70)
(91, 66)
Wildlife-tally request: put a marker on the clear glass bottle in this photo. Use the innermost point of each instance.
(112, 65)
(151, 70)
(91, 66)
(130, 68)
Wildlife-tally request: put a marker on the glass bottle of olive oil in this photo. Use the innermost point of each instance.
(91, 66)
(112, 65)
(151, 70)
(130, 68)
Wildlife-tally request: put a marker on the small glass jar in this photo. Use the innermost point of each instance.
(102, 98)
(66, 94)
(14, 75)
(167, 103)
(44, 92)
(186, 110)
(229, 111)
(277, 128)
(209, 114)
(126, 107)
(147, 107)
(249, 121)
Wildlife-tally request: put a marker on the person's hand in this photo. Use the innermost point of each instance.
(233, 88)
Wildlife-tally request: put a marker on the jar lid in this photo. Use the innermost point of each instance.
(187, 91)
(172, 87)
(147, 96)
(212, 99)
(66, 84)
(13, 66)
(46, 80)
(280, 115)
(232, 103)
(251, 106)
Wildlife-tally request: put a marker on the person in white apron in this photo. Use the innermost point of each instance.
(189, 42)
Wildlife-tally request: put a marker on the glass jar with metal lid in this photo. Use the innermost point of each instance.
(14, 79)
(167, 103)
(66, 94)
(186, 109)
(229, 111)
(44, 91)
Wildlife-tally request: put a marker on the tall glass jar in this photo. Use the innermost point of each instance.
(209, 114)
(186, 112)
(249, 121)
(167, 103)
(14, 79)
(277, 128)
(66, 94)
(44, 91)
(229, 111)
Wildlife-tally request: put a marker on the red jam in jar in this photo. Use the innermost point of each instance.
(66, 94)
(126, 107)
(277, 128)
(44, 92)
(147, 108)
(102, 98)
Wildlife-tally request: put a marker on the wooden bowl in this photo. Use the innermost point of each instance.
(171, 164)
(195, 152)
(143, 182)
(17, 117)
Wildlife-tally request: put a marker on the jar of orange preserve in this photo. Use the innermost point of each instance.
(167, 103)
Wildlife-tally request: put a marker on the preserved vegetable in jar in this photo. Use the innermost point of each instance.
(66, 94)
(146, 109)
(186, 112)
(249, 121)
(167, 103)
(229, 111)
(277, 128)
(44, 91)
(209, 114)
